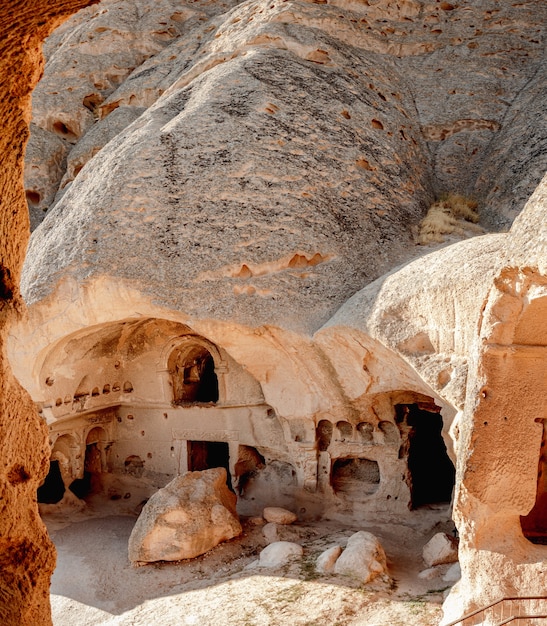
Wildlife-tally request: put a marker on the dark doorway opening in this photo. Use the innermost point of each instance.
(53, 488)
(534, 525)
(193, 375)
(431, 474)
(91, 483)
(204, 455)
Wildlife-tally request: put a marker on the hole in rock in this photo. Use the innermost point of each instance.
(249, 463)
(355, 477)
(324, 435)
(345, 431)
(33, 197)
(52, 489)
(431, 473)
(193, 375)
(91, 482)
(204, 455)
(365, 431)
(64, 131)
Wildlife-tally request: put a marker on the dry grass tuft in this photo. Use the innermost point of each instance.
(448, 216)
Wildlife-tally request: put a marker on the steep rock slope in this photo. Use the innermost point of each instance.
(280, 153)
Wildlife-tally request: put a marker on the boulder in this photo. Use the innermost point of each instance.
(363, 559)
(192, 514)
(327, 559)
(441, 548)
(453, 573)
(270, 532)
(278, 515)
(279, 553)
(428, 574)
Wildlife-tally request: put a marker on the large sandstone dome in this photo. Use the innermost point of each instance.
(261, 163)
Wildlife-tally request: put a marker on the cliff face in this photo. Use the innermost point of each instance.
(27, 556)
(247, 177)
(267, 160)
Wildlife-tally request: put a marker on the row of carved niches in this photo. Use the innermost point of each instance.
(328, 434)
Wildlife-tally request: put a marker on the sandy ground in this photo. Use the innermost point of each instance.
(94, 583)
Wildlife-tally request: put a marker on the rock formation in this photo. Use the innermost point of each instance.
(27, 556)
(363, 558)
(188, 517)
(229, 191)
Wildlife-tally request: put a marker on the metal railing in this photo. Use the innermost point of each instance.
(521, 610)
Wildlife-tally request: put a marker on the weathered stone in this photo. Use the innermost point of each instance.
(453, 573)
(270, 532)
(191, 515)
(428, 574)
(327, 559)
(441, 548)
(363, 558)
(277, 515)
(279, 553)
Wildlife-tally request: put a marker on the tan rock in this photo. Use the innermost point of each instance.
(440, 549)
(278, 515)
(270, 532)
(326, 560)
(192, 514)
(279, 553)
(363, 558)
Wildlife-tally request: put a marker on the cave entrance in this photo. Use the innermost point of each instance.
(204, 455)
(91, 482)
(431, 473)
(193, 376)
(355, 478)
(534, 525)
(53, 488)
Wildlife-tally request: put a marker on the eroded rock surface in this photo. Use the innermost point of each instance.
(440, 549)
(279, 553)
(188, 517)
(363, 558)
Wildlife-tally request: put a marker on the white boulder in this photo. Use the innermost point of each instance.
(363, 559)
(453, 573)
(270, 532)
(327, 559)
(189, 516)
(279, 553)
(441, 548)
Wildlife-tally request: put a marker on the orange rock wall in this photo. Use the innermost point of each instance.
(27, 557)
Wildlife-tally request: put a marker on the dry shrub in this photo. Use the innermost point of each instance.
(448, 216)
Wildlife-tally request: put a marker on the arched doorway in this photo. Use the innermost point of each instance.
(52, 489)
(94, 464)
(431, 474)
(193, 376)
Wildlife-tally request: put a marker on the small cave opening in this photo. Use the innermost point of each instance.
(248, 465)
(431, 474)
(33, 197)
(534, 525)
(323, 434)
(52, 489)
(63, 130)
(91, 482)
(193, 376)
(355, 477)
(204, 455)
